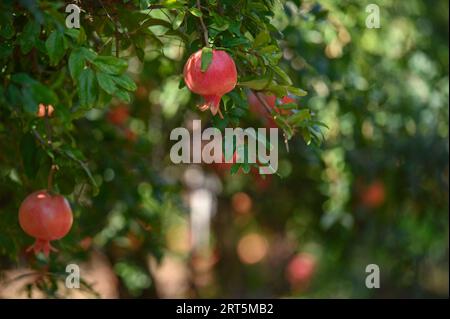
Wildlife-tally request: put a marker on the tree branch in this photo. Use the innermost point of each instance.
(202, 23)
(263, 102)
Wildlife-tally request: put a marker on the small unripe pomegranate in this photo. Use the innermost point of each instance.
(44, 110)
(46, 217)
(219, 79)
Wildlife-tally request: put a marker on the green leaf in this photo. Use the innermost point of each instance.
(6, 49)
(88, 54)
(88, 90)
(287, 129)
(106, 82)
(288, 106)
(207, 56)
(23, 79)
(43, 94)
(29, 36)
(261, 39)
(306, 136)
(76, 64)
(124, 96)
(299, 117)
(296, 91)
(110, 64)
(178, 20)
(29, 153)
(152, 22)
(283, 90)
(234, 42)
(55, 46)
(6, 25)
(125, 82)
(246, 168)
(256, 83)
(281, 74)
(28, 102)
(235, 168)
(13, 96)
(76, 34)
(196, 12)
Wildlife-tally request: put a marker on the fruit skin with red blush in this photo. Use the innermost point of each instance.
(46, 217)
(219, 79)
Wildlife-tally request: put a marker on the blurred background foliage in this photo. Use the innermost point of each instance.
(374, 192)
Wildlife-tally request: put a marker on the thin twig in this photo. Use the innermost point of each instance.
(39, 137)
(116, 34)
(263, 102)
(53, 169)
(112, 20)
(202, 23)
(48, 127)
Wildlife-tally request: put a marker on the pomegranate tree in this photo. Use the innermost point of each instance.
(218, 79)
(46, 217)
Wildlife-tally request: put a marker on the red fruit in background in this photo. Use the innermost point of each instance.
(219, 79)
(142, 92)
(300, 269)
(262, 182)
(374, 195)
(86, 243)
(44, 110)
(283, 101)
(241, 203)
(258, 108)
(130, 135)
(45, 217)
(224, 166)
(119, 115)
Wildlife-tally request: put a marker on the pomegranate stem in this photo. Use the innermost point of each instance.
(53, 169)
(204, 28)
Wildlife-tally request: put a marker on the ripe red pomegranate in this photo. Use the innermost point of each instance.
(44, 110)
(219, 79)
(45, 217)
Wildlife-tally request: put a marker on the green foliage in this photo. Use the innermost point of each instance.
(379, 96)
